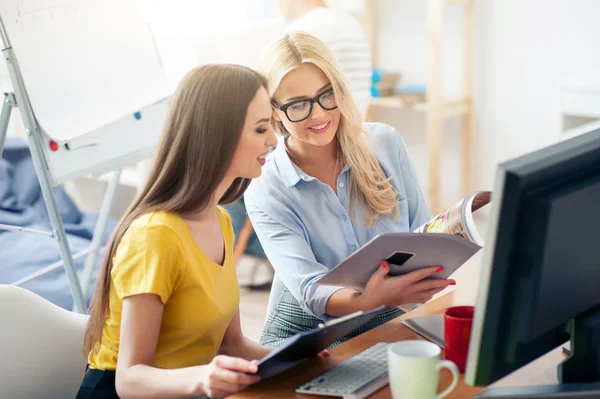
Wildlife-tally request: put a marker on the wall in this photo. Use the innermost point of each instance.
(402, 47)
(518, 108)
(537, 49)
(578, 36)
(526, 53)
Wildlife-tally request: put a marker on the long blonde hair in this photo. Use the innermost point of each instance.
(200, 136)
(368, 185)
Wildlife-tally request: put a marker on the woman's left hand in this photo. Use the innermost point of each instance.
(324, 353)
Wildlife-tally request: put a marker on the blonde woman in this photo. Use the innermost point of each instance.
(164, 320)
(330, 186)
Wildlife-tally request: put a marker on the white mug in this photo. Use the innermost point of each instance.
(414, 369)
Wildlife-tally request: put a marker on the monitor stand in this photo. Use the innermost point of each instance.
(579, 375)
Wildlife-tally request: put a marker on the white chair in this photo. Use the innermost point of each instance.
(40, 347)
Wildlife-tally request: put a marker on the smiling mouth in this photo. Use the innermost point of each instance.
(319, 128)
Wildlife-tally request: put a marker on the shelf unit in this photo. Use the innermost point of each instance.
(437, 109)
(579, 107)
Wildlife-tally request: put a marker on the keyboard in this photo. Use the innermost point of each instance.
(355, 378)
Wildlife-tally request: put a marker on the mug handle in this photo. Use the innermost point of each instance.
(454, 370)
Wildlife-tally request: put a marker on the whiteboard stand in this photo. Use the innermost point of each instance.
(97, 136)
(7, 106)
(32, 131)
(100, 230)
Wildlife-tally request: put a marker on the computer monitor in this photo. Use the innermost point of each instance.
(540, 278)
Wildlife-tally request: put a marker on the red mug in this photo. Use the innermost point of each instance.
(457, 332)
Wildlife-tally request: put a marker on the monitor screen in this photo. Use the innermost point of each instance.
(542, 259)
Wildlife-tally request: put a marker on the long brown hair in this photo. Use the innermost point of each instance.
(200, 136)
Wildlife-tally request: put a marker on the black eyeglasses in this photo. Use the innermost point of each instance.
(299, 110)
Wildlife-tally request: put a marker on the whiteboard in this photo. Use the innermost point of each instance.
(85, 63)
(123, 142)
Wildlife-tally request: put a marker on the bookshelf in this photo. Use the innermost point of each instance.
(436, 108)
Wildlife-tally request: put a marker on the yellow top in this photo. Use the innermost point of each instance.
(158, 255)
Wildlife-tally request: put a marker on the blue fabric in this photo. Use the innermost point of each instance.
(237, 211)
(22, 204)
(306, 229)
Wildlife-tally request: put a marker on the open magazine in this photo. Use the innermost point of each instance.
(458, 219)
(452, 239)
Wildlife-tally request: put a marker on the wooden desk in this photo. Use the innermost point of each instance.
(540, 372)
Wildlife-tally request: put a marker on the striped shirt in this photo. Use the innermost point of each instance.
(344, 36)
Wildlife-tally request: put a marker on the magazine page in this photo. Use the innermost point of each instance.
(474, 203)
(458, 219)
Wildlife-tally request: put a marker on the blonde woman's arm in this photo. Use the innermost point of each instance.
(293, 259)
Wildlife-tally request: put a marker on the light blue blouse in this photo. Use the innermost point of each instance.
(306, 229)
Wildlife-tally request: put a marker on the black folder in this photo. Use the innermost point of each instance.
(308, 344)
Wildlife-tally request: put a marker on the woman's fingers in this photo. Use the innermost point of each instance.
(378, 276)
(229, 374)
(235, 378)
(221, 389)
(324, 353)
(236, 363)
(383, 270)
(425, 296)
(420, 274)
(431, 284)
(432, 292)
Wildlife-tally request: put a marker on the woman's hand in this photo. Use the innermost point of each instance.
(226, 375)
(412, 287)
